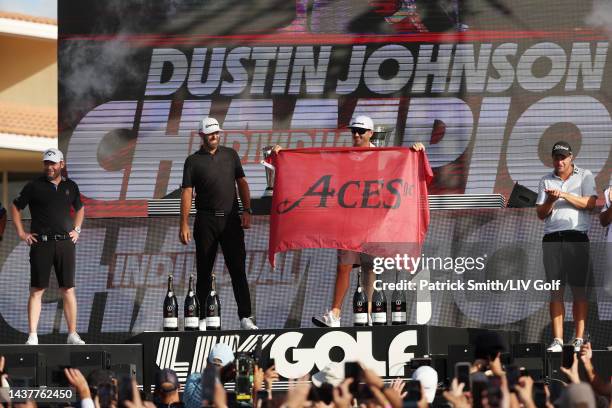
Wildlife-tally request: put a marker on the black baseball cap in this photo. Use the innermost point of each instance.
(562, 148)
(166, 380)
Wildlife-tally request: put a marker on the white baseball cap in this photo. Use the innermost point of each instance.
(363, 122)
(54, 155)
(209, 125)
(221, 352)
(429, 381)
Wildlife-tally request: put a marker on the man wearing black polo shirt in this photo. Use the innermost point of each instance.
(214, 171)
(52, 238)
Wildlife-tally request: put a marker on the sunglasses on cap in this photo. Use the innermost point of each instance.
(360, 131)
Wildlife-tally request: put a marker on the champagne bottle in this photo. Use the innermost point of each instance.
(360, 304)
(398, 304)
(379, 308)
(213, 307)
(170, 308)
(191, 308)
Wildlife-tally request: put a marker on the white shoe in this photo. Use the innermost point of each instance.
(577, 343)
(556, 346)
(246, 323)
(74, 338)
(32, 339)
(328, 319)
(202, 325)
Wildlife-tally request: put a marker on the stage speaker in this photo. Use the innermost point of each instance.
(85, 361)
(458, 353)
(522, 197)
(122, 370)
(415, 363)
(88, 361)
(26, 369)
(530, 356)
(439, 363)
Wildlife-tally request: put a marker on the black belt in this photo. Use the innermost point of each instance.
(216, 213)
(53, 237)
(566, 233)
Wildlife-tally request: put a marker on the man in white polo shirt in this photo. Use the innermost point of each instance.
(565, 198)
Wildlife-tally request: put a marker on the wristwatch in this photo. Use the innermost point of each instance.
(77, 229)
(249, 210)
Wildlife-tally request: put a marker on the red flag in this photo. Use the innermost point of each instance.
(349, 198)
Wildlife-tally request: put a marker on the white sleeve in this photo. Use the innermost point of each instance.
(541, 193)
(87, 403)
(588, 185)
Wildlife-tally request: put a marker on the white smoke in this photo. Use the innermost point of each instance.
(93, 70)
(90, 70)
(601, 16)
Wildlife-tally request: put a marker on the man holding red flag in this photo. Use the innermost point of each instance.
(362, 130)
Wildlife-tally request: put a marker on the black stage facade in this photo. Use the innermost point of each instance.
(296, 352)
(392, 351)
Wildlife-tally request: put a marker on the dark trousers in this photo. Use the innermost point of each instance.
(208, 232)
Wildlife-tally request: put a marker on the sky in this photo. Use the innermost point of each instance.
(39, 8)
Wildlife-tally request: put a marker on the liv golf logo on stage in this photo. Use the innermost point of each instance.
(295, 352)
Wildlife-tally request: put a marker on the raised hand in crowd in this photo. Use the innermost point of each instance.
(572, 372)
(600, 386)
(342, 396)
(371, 378)
(496, 366)
(297, 393)
(586, 354)
(396, 395)
(78, 381)
(258, 379)
(399, 385)
(270, 377)
(381, 398)
(524, 391)
(505, 390)
(391, 395)
(265, 379)
(456, 396)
